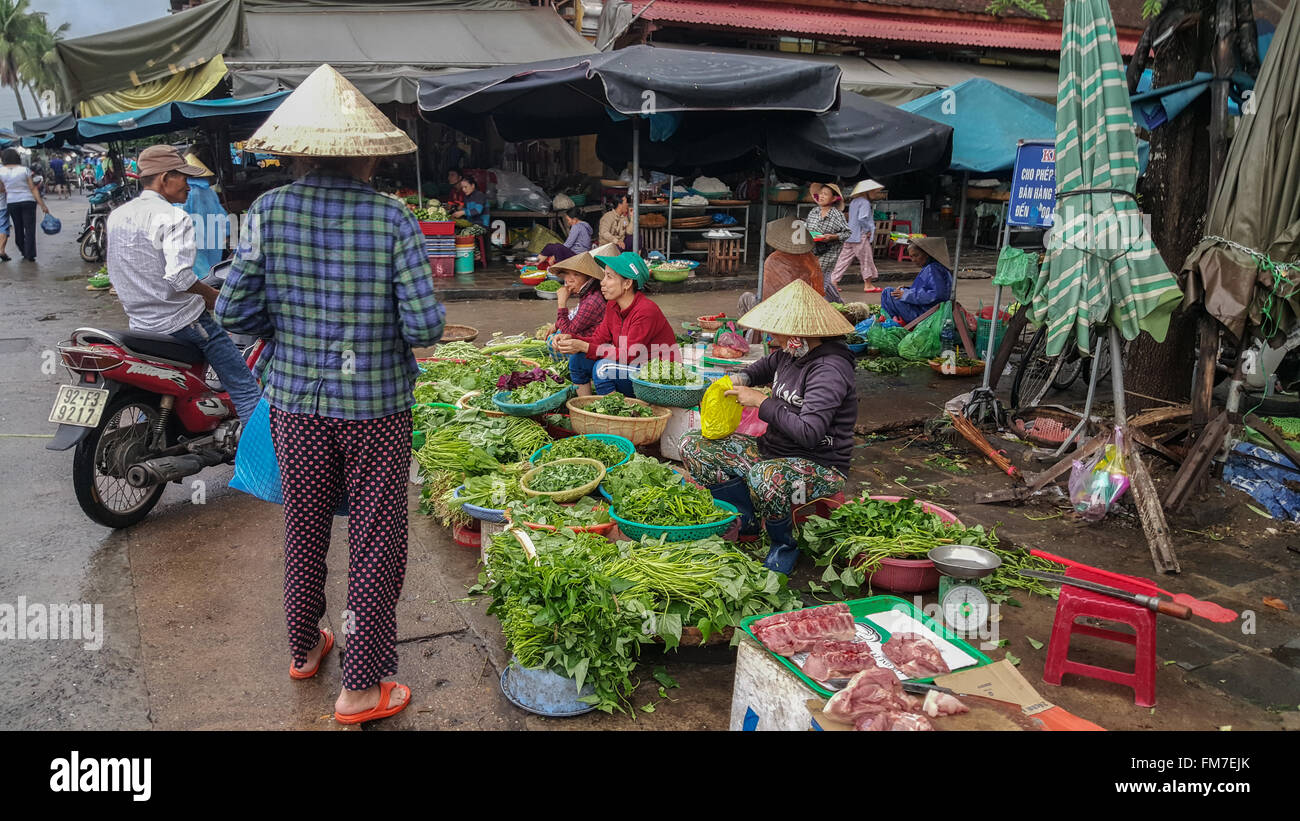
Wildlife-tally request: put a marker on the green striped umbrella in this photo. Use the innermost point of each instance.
(1101, 264)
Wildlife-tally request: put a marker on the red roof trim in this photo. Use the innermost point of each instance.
(864, 25)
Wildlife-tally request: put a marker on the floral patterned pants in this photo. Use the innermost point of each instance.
(778, 485)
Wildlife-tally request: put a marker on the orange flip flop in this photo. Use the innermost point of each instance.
(299, 675)
(872, 290)
(384, 710)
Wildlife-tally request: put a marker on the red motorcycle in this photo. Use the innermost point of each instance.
(145, 411)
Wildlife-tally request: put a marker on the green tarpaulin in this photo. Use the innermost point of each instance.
(1102, 267)
(153, 50)
(1246, 270)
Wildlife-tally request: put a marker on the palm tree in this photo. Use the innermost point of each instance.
(39, 67)
(15, 45)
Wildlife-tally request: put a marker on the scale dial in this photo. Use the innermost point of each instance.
(965, 608)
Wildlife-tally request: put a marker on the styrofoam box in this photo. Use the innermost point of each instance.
(766, 695)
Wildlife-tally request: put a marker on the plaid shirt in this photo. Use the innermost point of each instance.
(586, 315)
(336, 274)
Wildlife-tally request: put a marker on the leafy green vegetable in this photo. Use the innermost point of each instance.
(664, 372)
(585, 448)
(534, 392)
(556, 477)
(640, 471)
(557, 420)
(615, 404)
(426, 418)
(675, 505)
(887, 364)
(549, 285)
(542, 511)
(494, 491)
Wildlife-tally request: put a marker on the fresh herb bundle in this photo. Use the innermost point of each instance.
(494, 491)
(584, 448)
(542, 511)
(557, 477)
(557, 420)
(615, 404)
(550, 285)
(664, 372)
(427, 418)
(672, 506)
(640, 471)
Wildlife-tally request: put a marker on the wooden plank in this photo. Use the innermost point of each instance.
(1274, 436)
(1038, 481)
(1154, 446)
(923, 317)
(1156, 415)
(1152, 515)
(960, 317)
(1207, 339)
(1197, 459)
(1003, 355)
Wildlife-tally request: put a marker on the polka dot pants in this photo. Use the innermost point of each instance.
(320, 460)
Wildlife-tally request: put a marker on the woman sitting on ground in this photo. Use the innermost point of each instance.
(578, 241)
(932, 286)
(580, 308)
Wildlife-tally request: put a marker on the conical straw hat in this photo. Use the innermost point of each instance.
(581, 264)
(797, 310)
(327, 117)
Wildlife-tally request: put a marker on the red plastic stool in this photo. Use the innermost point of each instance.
(818, 507)
(1076, 603)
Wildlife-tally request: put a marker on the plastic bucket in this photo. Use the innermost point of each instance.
(443, 266)
(464, 259)
(982, 336)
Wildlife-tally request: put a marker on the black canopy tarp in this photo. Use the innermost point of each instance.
(570, 96)
(862, 138)
(42, 126)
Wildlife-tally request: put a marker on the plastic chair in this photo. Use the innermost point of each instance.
(1076, 603)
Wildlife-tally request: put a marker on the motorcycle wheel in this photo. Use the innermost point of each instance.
(90, 250)
(107, 499)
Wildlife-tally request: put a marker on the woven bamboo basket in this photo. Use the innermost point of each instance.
(461, 403)
(561, 496)
(639, 430)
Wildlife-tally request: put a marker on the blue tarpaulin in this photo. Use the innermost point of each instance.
(147, 122)
(1266, 475)
(987, 120)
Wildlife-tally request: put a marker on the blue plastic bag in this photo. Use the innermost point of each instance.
(257, 471)
(51, 224)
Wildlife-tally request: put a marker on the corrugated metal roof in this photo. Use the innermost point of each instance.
(864, 25)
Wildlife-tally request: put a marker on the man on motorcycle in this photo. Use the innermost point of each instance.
(151, 253)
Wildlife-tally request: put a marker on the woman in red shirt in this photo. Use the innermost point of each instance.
(634, 330)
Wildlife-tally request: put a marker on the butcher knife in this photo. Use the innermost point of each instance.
(1178, 611)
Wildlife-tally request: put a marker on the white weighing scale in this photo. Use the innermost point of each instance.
(964, 604)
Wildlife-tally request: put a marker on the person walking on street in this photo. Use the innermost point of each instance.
(862, 235)
(151, 253)
(830, 229)
(22, 199)
(336, 274)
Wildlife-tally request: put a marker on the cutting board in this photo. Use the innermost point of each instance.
(980, 717)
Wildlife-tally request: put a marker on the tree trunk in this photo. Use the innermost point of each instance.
(19, 98)
(1175, 191)
(36, 101)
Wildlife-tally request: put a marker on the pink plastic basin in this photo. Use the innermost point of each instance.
(905, 575)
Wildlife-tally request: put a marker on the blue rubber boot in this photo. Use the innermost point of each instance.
(736, 493)
(784, 554)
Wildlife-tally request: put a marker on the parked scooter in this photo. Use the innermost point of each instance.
(145, 410)
(94, 232)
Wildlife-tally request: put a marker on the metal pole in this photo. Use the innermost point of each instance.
(1087, 405)
(762, 229)
(997, 299)
(668, 230)
(419, 182)
(636, 185)
(1117, 379)
(961, 225)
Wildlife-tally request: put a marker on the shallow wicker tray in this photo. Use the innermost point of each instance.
(638, 430)
(459, 333)
(936, 365)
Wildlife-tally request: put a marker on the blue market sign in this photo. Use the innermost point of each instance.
(1033, 184)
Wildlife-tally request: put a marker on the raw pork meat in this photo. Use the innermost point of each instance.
(942, 704)
(915, 655)
(911, 721)
(790, 633)
(872, 691)
(838, 659)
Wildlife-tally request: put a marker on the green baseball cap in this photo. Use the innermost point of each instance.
(629, 266)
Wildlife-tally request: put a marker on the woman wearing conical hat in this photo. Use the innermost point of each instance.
(805, 453)
(580, 307)
(336, 274)
(932, 286)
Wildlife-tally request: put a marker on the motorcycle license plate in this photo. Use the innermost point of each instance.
(78, 406)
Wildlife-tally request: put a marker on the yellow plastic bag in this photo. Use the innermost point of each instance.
(719, 414)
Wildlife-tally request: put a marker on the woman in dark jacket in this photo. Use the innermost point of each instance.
(805, 453)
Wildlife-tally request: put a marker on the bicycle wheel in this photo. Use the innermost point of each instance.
(1072, 365)
(1035, 373)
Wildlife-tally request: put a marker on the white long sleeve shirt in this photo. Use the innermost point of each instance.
(151, 251)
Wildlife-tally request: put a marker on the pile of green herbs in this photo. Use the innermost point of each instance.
(639, 472)
(550, 286)
(887, 364)
(535, 392)
(615, 404)
(542, 511)
(426, 418)
(664, 372)
(473, 443)
(494, 491)
(585, 606)
(681, 505)
(556, 477)
(583, 447)
(557, 420)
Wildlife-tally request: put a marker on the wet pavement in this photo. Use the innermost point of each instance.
(192, 596)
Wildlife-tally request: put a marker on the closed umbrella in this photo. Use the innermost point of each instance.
(1102, 267)
(1246, 267)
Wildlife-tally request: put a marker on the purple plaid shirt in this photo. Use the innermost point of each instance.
(336, 274)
